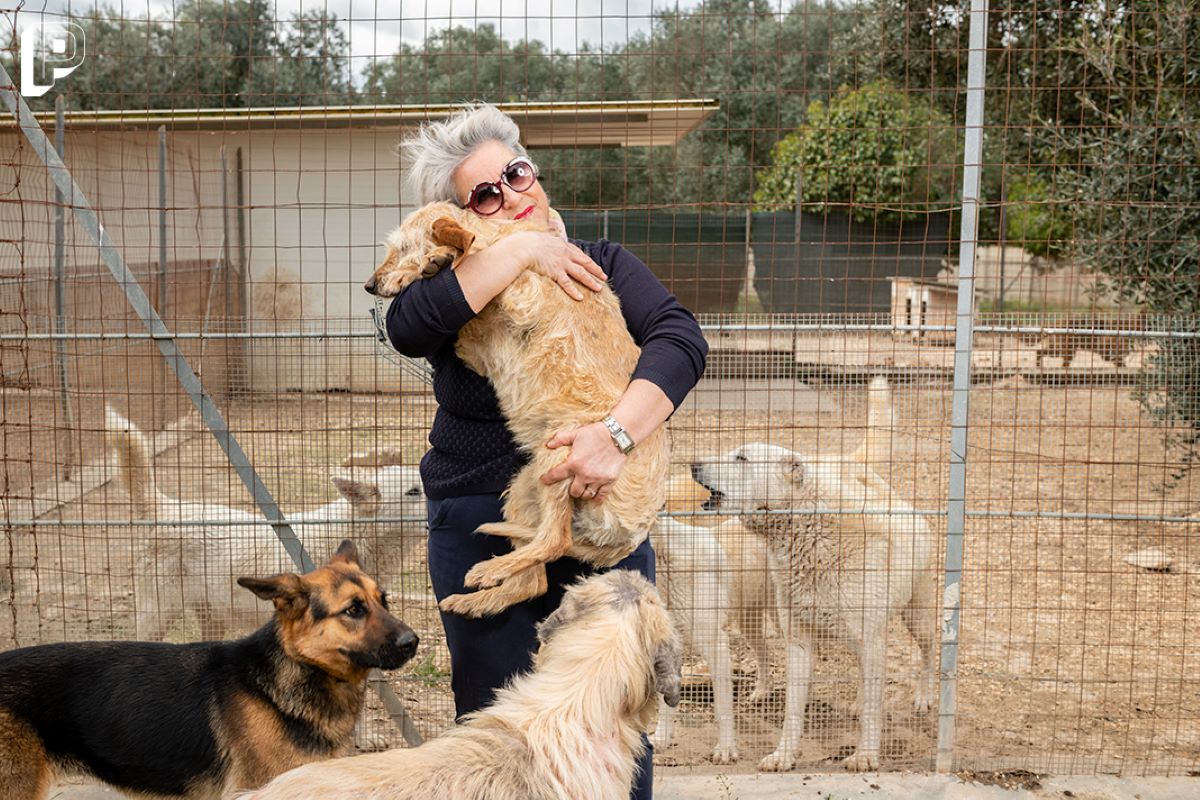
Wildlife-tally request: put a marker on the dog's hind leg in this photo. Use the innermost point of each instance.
(920, 617)
(550, 541)
(523, 586)
(25, 772)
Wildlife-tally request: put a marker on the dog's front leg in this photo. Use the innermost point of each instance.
(799, 672)
(872, 656)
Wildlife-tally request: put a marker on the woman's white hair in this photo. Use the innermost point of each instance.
(436, 150)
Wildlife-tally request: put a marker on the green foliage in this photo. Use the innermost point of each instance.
(1133, 191)
(1035, 220)
(870, 148)
(210, 54)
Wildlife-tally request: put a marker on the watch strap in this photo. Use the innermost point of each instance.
(619, 436)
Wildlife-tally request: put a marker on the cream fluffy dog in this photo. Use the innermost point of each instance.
(192, 568)
(569, 729)
(715, 579)
(555, 363)
(840, 569)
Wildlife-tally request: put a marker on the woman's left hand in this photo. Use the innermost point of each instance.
(594, 463)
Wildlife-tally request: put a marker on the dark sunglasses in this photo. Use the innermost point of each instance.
(488, 197)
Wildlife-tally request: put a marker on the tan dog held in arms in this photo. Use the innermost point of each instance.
(843, 573)
(715, 579)
(570, 728)
(555, 363)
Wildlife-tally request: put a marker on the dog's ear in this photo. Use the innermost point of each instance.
(668, 665)
(347, 553)
(364, 496)
(286, 591)
(449, 233)
(565, 612)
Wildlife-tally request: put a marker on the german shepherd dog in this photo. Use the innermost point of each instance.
(207, 719)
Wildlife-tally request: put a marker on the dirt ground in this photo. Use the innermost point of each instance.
(1071, 660)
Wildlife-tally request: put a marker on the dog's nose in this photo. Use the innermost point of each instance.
(370, 285)
(407, 642)
(714, 500)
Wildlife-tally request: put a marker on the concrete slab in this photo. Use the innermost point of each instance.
(904, 786)
(871, 786)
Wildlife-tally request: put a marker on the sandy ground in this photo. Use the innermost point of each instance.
(1071, 660)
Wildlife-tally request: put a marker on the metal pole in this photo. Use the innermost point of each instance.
(238, 366)
(227, 312)
(161, 335)
(956, 501)
(162, 261)
(60, 297)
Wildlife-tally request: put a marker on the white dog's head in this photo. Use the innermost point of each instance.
(387, 493)
(756, 477)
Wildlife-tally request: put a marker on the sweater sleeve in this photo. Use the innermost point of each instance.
(674, 349)
(427, 313)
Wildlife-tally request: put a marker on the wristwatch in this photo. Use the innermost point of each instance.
(619, 436)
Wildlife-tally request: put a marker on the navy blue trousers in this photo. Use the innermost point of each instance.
(485, 653)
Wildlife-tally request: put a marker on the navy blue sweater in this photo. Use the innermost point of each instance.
(472, 451)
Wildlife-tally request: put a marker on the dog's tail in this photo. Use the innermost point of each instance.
(134, 458)
(876, 450)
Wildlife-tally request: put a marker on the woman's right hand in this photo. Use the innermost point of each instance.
(557, 259)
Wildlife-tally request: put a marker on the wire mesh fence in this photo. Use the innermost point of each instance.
(795, 174)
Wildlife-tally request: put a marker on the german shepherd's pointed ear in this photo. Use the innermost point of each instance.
(347, 553)
(286, 591)
(449, 233)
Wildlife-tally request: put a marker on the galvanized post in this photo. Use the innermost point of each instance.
(60, 299)
(161, 405)
(956, 501)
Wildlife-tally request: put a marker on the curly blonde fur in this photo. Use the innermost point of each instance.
(555, 363)
(571, 728)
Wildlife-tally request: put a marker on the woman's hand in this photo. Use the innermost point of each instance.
(594, 463)
(556, 258)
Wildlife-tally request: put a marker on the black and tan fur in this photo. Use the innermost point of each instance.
(207, 719)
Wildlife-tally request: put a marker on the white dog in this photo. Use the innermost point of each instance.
(571, 729)
(192, 568)
(715, 579)
(839, 569)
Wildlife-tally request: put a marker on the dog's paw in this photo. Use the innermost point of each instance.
(462, 604)
(778, 761)
(759, 695)
(485, 575)
(437, 260)
(862, 761)
(725, 754)
(923, 702)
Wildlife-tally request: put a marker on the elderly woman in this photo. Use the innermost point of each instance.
(475, 159)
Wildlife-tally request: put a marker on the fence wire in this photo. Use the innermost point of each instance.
(794, 173)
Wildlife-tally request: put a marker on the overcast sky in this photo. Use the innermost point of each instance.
(376, 27)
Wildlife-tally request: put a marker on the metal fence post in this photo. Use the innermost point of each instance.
(60, 296)
(161, 405)
(956, 501)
